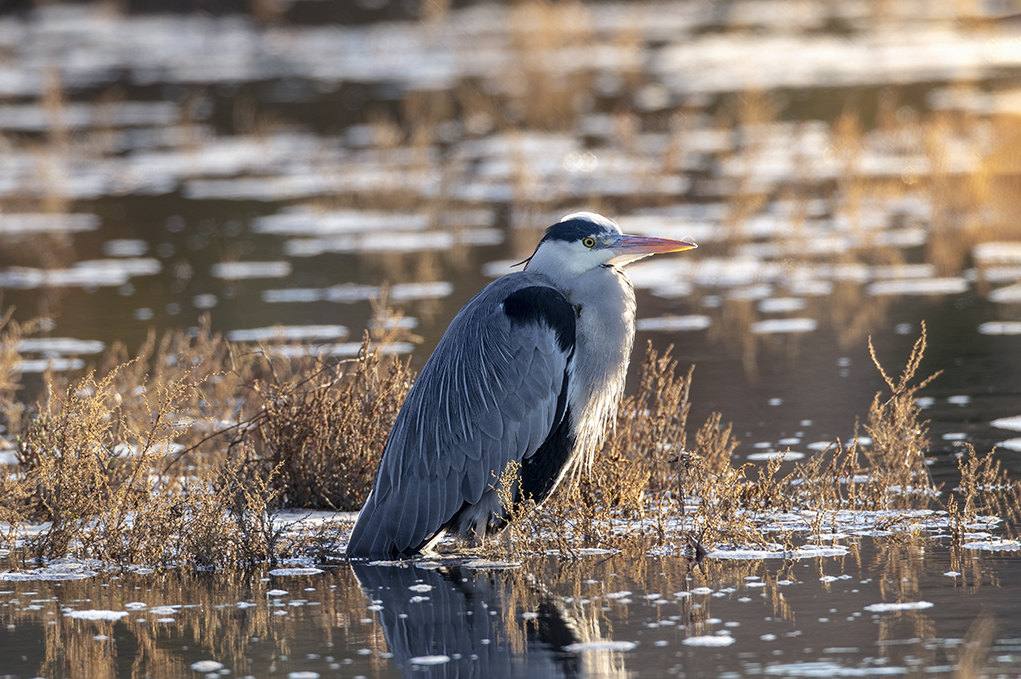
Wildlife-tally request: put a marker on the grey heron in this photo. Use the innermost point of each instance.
(531, 370)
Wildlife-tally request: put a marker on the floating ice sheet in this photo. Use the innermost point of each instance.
(923, 286)
(898, 606)
(13, 224)
(1008, 295)
(784, 326)
(92, 273)
(779, 305)
(350, 293)
(777, 552)
(125, 247)
(295, 570)
(206, 666)
(59, 346)
(289, 333)
(995, 545)
(1000, 328)
(96, 614)
(673, 323)
(1012, 423)
(612, 646)
(827, 668)
(304, 222)
(772, 455)
(429, 660)
(392, 242)
(40, 365)
(714, 641)
(232, 271)
(62, 571)
(997, 253)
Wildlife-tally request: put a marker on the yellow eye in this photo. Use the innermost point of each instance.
(589, 242)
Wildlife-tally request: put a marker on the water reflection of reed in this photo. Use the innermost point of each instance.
(227, 617)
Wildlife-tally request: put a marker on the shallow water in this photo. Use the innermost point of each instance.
(884, 608)
(277, 172)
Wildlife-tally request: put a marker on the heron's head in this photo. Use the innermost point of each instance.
(584, 240)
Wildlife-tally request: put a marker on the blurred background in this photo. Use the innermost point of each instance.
(848, 169)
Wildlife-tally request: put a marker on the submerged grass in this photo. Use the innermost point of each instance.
(181, 455)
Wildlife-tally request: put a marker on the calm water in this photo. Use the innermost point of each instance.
(845, 167)
(605, 615)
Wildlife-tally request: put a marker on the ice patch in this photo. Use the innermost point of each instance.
(70, 571)
(429, 659)
(612, 646)
(995, 546)
(1000, 328)
(96, 615)
(306, 674)
(776, 551)
(99, 273)
(125, 247)
(915, 286)
(1008, 295)
(304, 222)
(997, 253)
(289, 333)
(825, 668)
(779, 305)
(714, 641)
(1011, 444)
(59, 346)
(233, 271)
(903, 606)
(31, 223)
(673, 323)
(1012, 423)
(294, 571)
(206, 666)
(350, 293)
(784, 325)
(773, 455)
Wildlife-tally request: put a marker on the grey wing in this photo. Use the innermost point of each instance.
(488, 395)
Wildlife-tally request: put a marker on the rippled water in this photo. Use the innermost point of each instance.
(884, 609)
(845, 167)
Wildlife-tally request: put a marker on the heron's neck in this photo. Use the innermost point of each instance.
(604, 300)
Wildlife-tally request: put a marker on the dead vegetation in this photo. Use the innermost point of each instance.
(180, 455)
(647, 487)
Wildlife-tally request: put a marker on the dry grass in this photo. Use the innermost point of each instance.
(96, 463)
(646, 488)
(319, 437)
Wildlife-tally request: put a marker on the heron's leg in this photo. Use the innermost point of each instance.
(478, 534)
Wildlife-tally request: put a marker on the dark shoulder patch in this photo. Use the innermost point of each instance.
(541, 304)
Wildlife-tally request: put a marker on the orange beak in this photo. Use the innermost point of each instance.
(629, 248)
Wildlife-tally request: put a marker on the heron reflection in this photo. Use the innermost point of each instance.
(464, 622)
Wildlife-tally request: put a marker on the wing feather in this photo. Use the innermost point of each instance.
(487, 396)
